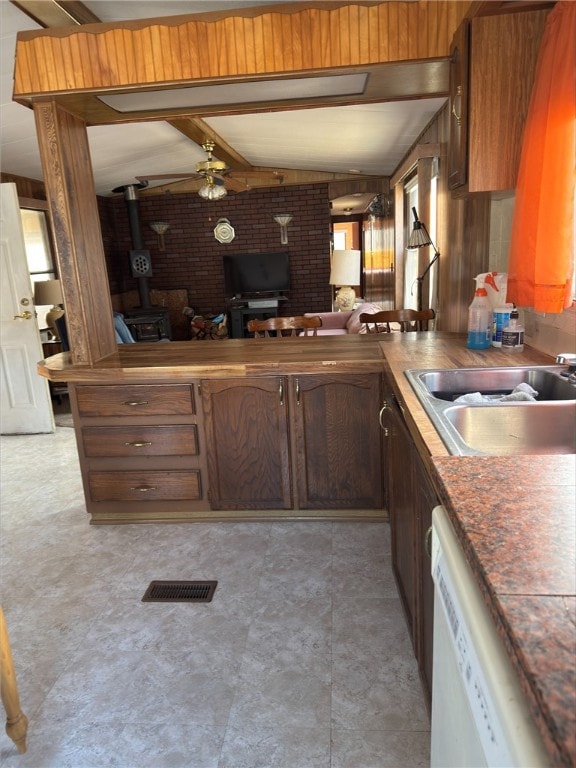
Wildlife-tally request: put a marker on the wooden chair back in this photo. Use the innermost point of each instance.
(275, 327)
(407, 319)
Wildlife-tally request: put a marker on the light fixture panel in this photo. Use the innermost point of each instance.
(281, 89)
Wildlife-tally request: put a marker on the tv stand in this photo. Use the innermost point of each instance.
(242, 310)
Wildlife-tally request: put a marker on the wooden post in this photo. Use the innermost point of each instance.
(71, 194)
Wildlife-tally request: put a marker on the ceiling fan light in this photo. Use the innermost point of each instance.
(211, 191)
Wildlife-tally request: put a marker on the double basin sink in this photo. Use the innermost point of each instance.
(546, 425)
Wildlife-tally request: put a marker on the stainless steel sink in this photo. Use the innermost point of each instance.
(515, 429)
(547, 425)
(448, 384)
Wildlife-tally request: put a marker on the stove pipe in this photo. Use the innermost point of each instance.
(133, 205)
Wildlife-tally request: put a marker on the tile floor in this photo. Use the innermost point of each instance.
(302, 660)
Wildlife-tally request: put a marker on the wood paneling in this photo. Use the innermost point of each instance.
(177, 49)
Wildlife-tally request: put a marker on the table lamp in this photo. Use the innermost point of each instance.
(49, 292)
(345, 272)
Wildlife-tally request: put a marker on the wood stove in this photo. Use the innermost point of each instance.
(146, 322)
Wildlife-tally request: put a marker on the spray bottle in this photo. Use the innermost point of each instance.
(479, 318)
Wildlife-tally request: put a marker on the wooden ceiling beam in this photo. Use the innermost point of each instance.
(197, 131)
(107, 58)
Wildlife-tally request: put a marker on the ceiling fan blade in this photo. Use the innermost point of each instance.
(241, 174)
(236, 186)
(160, 176)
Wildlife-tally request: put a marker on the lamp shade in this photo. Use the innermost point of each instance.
(345, 268)
(48, 292)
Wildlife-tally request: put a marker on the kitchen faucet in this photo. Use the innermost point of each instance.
(569, 359)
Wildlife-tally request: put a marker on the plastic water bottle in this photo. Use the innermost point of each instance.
(501, 317)
(479, 320)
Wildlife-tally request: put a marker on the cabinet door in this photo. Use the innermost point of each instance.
(425, 502)
(338, 441)
(402, 512)
(247, 443)
(458, 145)
(503, 55)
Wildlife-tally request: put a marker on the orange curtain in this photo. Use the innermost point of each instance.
(542, 241)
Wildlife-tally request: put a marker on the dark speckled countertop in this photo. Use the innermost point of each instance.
(515, 517)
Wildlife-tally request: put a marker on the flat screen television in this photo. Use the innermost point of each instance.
(256, 273)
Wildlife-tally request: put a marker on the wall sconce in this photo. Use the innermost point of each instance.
(48, 292)
(283, 219)
(160, 227)
(345, 272)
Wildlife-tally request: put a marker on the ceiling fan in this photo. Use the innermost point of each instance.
(215, 176)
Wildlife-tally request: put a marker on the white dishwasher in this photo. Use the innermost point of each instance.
(479, 714)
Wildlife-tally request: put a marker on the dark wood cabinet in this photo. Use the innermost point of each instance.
(247, 429)
(258, 447)
(493, 63)
(411, 499)
(337, 441)
(458, 105)
(141, 451)
(425, 501)
(401, 508)
(307, 442)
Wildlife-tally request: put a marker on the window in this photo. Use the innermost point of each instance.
(38, 252)
(412, 255)
(409, 300)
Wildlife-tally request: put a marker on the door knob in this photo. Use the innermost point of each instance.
(23, 315)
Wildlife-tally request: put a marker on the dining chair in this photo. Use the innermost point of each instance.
(16, 720)
(407, 319)
(274, 327)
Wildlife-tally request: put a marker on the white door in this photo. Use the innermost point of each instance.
(25, 406)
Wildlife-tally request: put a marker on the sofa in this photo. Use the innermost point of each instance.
(338, 323)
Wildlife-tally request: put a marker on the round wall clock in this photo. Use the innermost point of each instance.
(224, 231)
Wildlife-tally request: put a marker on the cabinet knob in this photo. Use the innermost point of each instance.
(138, 445)
(144, 488)
(133, 403)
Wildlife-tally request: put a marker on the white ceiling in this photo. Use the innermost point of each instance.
(368, 138)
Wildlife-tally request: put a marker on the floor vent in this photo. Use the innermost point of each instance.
(180, 592)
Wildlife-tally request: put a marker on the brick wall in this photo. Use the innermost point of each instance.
(193, 257)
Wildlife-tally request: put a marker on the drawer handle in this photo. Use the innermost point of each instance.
(136, 402)
(457, 105)
(144, 488)
(139, 445)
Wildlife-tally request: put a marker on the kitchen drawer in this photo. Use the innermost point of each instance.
(100, 442)
(136, 400)
(145, 486)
